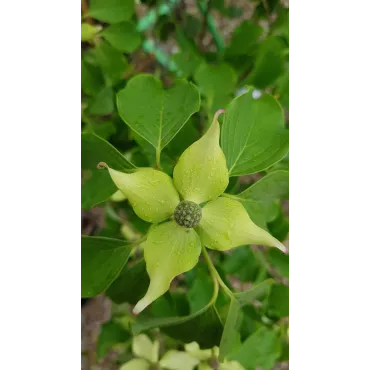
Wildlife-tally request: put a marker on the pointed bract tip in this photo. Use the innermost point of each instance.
(218, 113)
(141, 305)
(101, 166)
(282, 247)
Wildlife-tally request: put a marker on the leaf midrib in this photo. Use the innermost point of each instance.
(158, 148)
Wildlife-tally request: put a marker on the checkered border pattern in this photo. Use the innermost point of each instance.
(292, 208)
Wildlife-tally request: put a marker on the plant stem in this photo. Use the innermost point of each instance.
(158, 159)
(215, 276)
(139, 241)
(85, 10)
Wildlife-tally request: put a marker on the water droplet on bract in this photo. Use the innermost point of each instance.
(256, 94)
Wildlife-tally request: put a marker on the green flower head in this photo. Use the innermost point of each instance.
(187, 212)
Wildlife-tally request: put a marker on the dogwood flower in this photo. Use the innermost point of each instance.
(187, 212)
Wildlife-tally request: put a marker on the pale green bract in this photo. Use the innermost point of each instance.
(151, 193)
(225, 224)
(169, 251)
(200, 175)
(147, 357)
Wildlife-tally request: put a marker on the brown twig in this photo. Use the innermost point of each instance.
(84, 11)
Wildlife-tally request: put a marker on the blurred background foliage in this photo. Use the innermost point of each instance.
(223, 47)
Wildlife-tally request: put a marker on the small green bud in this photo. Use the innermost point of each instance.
(150, 192)
(188, 214)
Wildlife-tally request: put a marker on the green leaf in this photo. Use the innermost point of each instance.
(130, 285)
(140, 225)
(101, 261)
(282, 89)
(94, 149)
(262, 349)
(282, 165)
(244, 39)
(279, 227)
(260, 199)
(111, 11)
(253, 134)
(281, 25)
(231, 335)
(274, 185)
(99, 186)
(96, 188)
(122, 36)
(279, 261)
(191, 26)
(203, 326)
(111, 61)
(278, 303)
(165, 305)
(200, 292)
(263, 9)
(103, 102)
(186, 136)
(261, 213)
(242, 264)
(219, 100)
(154, 113)
(212, 79)
(104, 129)
(92, 80)
(111, 333)
(270, 63)
(187, 62)
(253, 293)
(148, 152)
